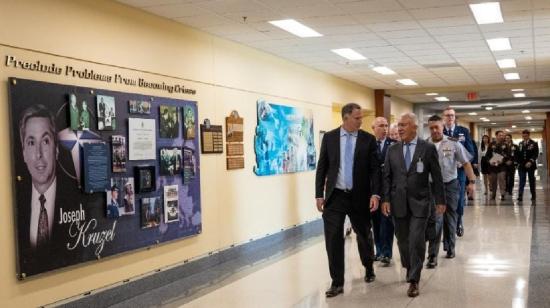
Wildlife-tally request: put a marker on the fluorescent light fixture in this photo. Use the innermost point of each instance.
(487, 13)
(486, 120)
(513, 126)
(528, 118)
(511, 76)
(432, 94)
(472, 113)
(493, 123)
(498, 44)
(508, 130)
(383, 70)
(532, 129)
(441, 99)
(519, 94)
(525, 111)
(407, 82)
(488, 108)
(506, 63)
(517, 90)
(349, 54)
(296, 28)
(482, 118)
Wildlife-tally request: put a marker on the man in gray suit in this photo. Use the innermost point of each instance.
(407, 170)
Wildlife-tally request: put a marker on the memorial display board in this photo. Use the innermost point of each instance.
(57, 223)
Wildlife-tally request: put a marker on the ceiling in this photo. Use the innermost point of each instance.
(437, 43)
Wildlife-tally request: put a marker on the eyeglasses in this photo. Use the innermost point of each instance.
(449, 115)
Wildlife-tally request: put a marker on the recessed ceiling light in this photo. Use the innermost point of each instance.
(525, 111)
(532, 129)
(528, 118)
(441, 99)
(511, 76)
(519, 94)
(493, 123)
(498, 44)
(296, 28)
(486, 120)
(487, 13)
(517, 90)
(432, 94)
(506, 63)
(513, 126)
(488, 108)
(507, 130)
(529, 122)
(407, 82)
(349, 54)
(472, 113)
(383, 70)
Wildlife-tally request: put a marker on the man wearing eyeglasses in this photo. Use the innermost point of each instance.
(462, 135)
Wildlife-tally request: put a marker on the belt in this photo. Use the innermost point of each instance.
(344, 191)
(451, 181)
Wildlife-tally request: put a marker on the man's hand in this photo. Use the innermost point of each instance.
(373, 203)
(386, 208)
(528, 165)
(320, 204)
(440, 209)
(470, 189)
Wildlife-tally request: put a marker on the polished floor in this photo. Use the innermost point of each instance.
(491, 269)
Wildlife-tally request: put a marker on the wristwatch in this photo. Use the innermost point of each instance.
(471, 181)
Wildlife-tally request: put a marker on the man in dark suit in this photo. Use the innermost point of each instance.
(346, 183)
(382, 225)
(527, 164)
(42, 230)
(462, 135)
(407, 170)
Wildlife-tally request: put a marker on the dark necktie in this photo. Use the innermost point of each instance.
(378, 149)
(408, 156)
(43, 229)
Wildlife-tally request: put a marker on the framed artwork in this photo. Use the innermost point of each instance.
(145, 179)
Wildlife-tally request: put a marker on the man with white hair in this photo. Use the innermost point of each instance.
(408, 167)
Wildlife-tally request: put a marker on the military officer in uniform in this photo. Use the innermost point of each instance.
(528, 152)
(510, 164)
(498, 154)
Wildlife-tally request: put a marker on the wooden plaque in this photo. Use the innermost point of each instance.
(235, 149)
(234, 128)
(235, 163)
(211, 139)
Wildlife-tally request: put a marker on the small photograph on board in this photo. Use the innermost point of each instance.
(119, 156)
(106, 112)
(188, 123)
(120, 198)
(113, 201)
(168, 122)
(189, 165)
(128, 197)
(139, 107)
(170, 161)
(79, 116)
(145, 179)
(150, 212)
(171, 209)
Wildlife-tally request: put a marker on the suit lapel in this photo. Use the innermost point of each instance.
(357, 143)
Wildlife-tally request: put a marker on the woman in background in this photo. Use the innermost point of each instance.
(484, 162)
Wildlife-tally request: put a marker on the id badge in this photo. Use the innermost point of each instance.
(419, 166)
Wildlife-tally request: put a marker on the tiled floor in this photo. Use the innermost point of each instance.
(491, 270)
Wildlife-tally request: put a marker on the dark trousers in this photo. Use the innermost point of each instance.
(522, 178)
(338, 206)
(376, 217)
(411, 240)
(462, 189)
(445, 224)
(510, 175)
(383, 229)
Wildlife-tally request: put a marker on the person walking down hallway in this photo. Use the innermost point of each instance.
(462, 135)
(407, 169)
(510, 164)
(347, 183)
(450, 154)
(382, 225)
(484, 162)
(498, 154)
(528, 152)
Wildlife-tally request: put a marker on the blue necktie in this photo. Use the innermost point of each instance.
(348, 161)
(408, 156)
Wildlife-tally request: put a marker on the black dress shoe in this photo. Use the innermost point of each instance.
(450, 254)
(334, 290)
(460, 230)
(520, 198)
(413, 290)
(502, 197)
(377, 258)
(432, 262)
(533, 198)
(370, 276)
(386, 260)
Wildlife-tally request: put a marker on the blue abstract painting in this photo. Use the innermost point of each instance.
(284, 139)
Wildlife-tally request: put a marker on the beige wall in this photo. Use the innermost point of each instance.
(112, 38)
(399, 107)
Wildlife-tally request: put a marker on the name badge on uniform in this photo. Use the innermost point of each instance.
(461, 137)
(419, 166)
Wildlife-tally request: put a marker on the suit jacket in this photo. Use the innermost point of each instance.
(366, 168)
(382, 155)
(527, 151)
(410, 189)
(462, 134)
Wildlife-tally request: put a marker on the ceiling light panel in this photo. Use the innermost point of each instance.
(296, 28)
(511, 76)
(407, 82)
(487, 13)
(349, 54)
(506, 63)
(383, 70)
(442, 99)
(499, 44)
(519, 94)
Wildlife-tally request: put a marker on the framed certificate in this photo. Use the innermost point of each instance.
(145, 179)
